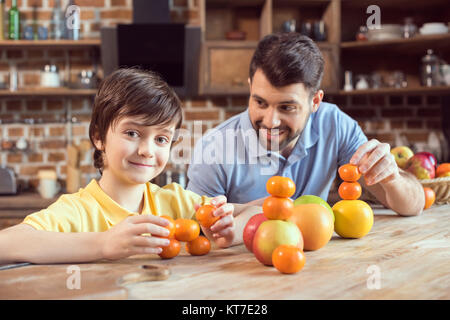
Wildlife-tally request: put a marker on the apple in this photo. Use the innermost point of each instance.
(401, 155)
(273, 233)
(430, 157)
(308, 198)
(250, 229)
(421, 166)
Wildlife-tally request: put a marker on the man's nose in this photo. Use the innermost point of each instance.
(271, 118)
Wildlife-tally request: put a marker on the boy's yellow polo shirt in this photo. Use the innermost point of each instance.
(92, 210)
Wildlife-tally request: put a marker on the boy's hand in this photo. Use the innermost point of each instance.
(223, 231)
(125, 239)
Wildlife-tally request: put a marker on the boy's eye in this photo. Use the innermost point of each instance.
(132, 134)
(162, 140)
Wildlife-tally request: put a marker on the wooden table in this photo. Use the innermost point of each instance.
(408, 255)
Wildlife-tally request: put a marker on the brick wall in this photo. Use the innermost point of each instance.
(409, 119)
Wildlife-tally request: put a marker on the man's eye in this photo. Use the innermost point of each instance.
(288, 108)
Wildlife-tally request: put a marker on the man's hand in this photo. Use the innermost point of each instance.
(376, 163)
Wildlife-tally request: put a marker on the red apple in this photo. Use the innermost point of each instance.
(421, 166)
(273, 233)
(430, 157)
(250, 229)
(401, 155)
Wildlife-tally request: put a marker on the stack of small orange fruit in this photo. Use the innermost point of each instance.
(286, 258)
(185, 230)
(353, 217)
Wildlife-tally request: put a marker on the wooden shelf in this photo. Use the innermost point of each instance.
(415, 44)
(50, 43)
(408, 90)
(48, 92)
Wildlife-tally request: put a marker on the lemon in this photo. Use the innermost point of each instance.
(353, 218)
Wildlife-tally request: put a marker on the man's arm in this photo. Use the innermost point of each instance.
(396, 189)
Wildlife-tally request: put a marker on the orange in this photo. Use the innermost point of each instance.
(170, 227)
(204, 215)
(198, 246)
(170, 251)
(430, 197)
(315, 223)
(288, 258)
(349, 173)
(275, 208)
(442, 169)
(352, 218)
(186, 229)
(350, 190)
(282, 187)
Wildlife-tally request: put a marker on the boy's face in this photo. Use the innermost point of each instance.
(136, 153)
(280, 114)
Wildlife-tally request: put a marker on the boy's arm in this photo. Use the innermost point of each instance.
(23, 243)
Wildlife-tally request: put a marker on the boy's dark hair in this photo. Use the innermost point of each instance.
(131, 92)
(288, 58)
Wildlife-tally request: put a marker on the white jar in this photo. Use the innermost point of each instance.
(50, 76)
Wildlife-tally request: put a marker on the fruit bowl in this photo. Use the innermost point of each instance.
(441, 187)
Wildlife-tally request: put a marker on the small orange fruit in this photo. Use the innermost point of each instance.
(199, 246)
(275, 208)
(442, 169)
(186, 229)
(204, 215)
(430, 197)
(288, 258)
(170, 251)
(282, 187)
(170, 227)
(349, 173)
(350, 190)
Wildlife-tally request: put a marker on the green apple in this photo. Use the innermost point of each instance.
(308, 198)
(402, 155)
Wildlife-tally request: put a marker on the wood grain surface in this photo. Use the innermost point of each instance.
(411, 255)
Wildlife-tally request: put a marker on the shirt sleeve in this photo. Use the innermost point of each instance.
(205, 178)
(350, 139)
(182, 202)
(61, 216)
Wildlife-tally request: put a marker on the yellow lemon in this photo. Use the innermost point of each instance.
(353, 218)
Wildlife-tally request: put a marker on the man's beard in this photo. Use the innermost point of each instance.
(273, 144)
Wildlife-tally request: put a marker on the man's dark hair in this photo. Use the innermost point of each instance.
(132, 92)
(288, 58)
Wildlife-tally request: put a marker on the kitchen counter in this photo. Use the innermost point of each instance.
(401, 258)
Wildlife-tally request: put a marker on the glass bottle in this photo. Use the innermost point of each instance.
(72, 21)
(2, 19)
(14, 21)
(57, 21)
(430, 69)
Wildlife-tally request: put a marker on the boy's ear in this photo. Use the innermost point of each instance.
(98, 143)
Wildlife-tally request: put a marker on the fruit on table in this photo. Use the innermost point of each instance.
(288, 259)
(443, 170)
(186, 229)
(205, 217)
(250, 229)
(270, 235)
(353, 218)
(421, 166)
(350, 190)
(401, 155)
(170, 227)
(430, 157)
(171, 250)
(199, 246)
(275, 208)
(308, 198)
(349, 173)
(430, 197)
(282, 187)
(315, 224)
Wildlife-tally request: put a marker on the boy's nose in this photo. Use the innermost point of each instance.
(146, 150)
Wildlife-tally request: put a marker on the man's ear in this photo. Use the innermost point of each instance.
(316, 100)
(249, 82)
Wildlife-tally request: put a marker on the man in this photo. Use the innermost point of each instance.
(299, 137)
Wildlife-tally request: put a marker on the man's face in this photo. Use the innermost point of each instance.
(136, 153)
(279, 115)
